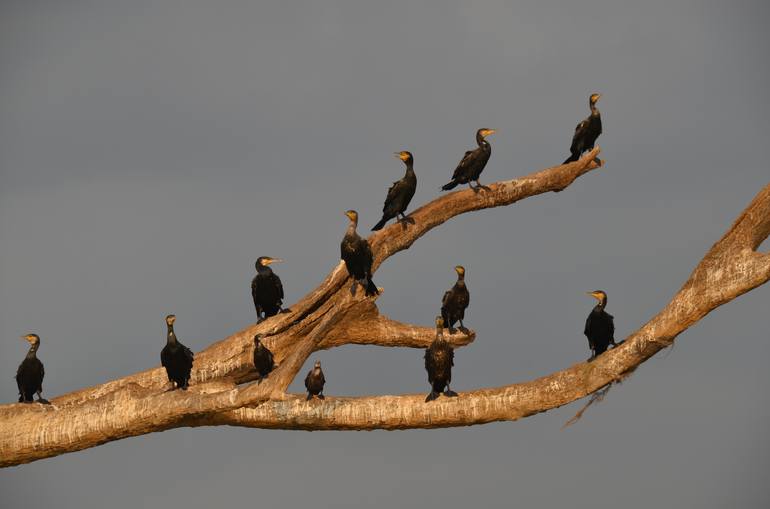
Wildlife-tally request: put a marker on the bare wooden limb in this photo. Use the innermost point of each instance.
(329, 316)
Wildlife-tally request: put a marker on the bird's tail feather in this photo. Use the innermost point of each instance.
(570, 159)
(371, 288)
(379, 225)
(450, 185)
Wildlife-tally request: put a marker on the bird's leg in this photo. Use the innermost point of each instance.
(259, 380)
(321, 396)
(41, 399)
(463, 328)
(309, 397)
(479, 185)
(433, 395)
(449, 393)
(353, 288)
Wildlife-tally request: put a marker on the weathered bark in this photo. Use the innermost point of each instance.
(329, 316)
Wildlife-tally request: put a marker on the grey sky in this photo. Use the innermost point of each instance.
(150, 151)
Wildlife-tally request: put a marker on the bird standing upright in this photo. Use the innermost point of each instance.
(357, 254)
(263, 358)
(176, 358)
(400, 193)
(600, 326)
(266, 289)
(29, 376)
(314, 382)
(455, 301)
(439, 359)
(472, 163)
(586, 132)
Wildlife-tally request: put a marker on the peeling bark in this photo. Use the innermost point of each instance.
(327, 317)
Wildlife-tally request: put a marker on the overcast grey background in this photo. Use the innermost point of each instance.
(150, 151)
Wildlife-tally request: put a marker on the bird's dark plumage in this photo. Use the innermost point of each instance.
(472, 163)
(176, 358)
(439, 359)
(29, 375)
(357, 254)
(586, 132)
(400, 193)
(314, 382)
(263, 358)
(266, 289)
(600, 326)
(455, 301)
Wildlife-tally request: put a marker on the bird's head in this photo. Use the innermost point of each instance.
(264, 261)
(404, 156)
(594, 99)
(598, 295)
(170, 319)
(439, 323)
(32, 339)
(483, 133)
(352, 215)
(460, 270)
(317, 365)
(257, 339)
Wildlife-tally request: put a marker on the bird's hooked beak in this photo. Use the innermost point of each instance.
(488, 132)
(272, 260)
(29, 338)
(401, 155)
(596, 295)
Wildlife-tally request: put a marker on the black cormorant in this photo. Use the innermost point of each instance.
(358, 257)
(263, 358)
(455, 302)
(586, 132)
(400, 193)
(176, 358)
(314, 382)
(29, 376)
(439, 359)
(600, 327)
(266, 289)
(473, 162)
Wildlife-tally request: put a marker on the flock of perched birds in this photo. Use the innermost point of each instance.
(267, 290)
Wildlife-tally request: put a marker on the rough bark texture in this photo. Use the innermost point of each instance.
(329, 316)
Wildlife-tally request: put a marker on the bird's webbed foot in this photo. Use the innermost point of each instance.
(464, 329)
(309, 397)
(321, 396)
(593, 356)
(449, 393)
(433, 395)
(406, 220)
(283, 311)
(598, 161)
(479, 185)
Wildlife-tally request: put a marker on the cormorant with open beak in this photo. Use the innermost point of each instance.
(357, 254)
(439, 359)
(263, 358)
(314, 382)
(600, 326)
(176, 358)
(29, 376)
(586, 132)
(400, 193)
(266, 289)
(455, 301)
(473, 162)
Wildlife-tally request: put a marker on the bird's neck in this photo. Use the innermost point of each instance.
(32, 352)
(352, 228)
(263, 270)
(594, 110)
(601, 305)
(481, 141)
(170, 336)
(409, 169)
(461, 280)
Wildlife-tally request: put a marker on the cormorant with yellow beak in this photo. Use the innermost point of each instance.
(455, 301)
(29, 376)
(266, 289)
(314, 382)
(400, 193)
(473, 162)
(586, 132)
(176, 358)
(357, 254)
(439, 359)
(600, 326)
(263, 358)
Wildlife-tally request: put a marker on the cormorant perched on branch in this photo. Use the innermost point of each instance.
(600, 326)
(266, 289)
(176, 358)
(455, 301)
(29, 376)
(263, 358)
(473, 162)
(586, 132)
(439, 359)
(400, 193)
(358, 257)
(314, 382)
